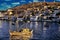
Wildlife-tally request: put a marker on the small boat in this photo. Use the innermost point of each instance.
(25, 33)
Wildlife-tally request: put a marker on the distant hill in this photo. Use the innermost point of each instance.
(35, 4)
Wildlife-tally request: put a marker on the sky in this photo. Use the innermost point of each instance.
(5, 4)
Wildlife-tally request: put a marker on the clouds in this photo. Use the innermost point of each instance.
(8, 0)
(57, 0)
(15, 3)
(5, 4)
(35, 1)
(5, 0)
(23, 1)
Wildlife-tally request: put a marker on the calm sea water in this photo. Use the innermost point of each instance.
(41, 30)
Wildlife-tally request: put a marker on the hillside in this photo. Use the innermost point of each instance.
(35, 4)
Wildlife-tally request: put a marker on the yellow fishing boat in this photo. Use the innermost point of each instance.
(25, 34)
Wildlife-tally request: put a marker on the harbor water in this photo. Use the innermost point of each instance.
(41, 30)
